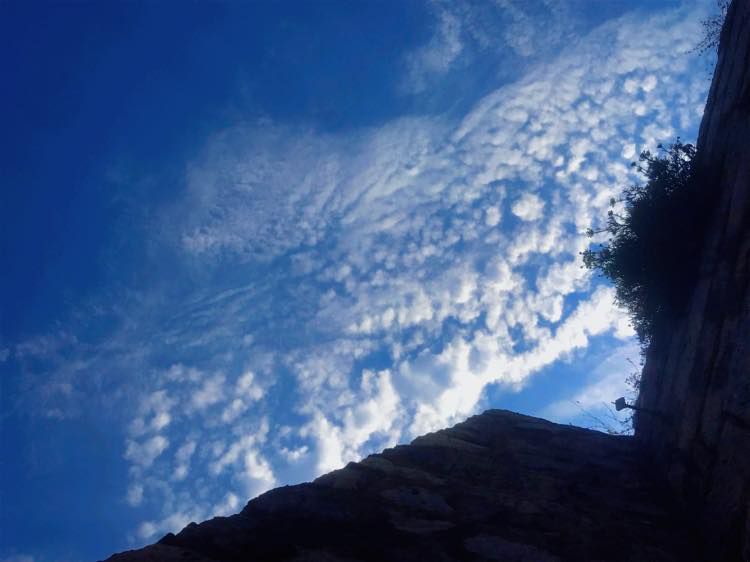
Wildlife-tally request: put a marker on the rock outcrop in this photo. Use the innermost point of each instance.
(697, 374)
(499, 486)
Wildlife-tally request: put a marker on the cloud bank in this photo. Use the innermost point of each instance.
(373, 284)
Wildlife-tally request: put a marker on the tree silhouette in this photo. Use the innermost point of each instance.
(712, 27)
(655, 237)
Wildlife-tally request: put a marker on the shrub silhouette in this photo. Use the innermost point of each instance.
(712, 27)
(652, 253)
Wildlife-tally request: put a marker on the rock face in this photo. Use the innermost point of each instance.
(697, 373)
(499, 486)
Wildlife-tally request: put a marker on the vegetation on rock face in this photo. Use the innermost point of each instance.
(654, 243)
(712, 28)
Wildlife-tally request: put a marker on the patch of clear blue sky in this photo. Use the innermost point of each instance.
(103, 104)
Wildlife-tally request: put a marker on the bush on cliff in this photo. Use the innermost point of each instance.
(712, 27)
(652, 252)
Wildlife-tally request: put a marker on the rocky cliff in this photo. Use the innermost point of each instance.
(500, 486)
(697, 375)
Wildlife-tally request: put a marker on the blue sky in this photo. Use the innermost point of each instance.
(244, 244)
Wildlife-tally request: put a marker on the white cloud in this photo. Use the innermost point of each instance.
(160, 421)
(147, 529)
(628, 151)
(649, 83)
(172, 523)
(256, 475)
(372, 412)
(528, 207)
(526, 32)
(153, 413)
(469, 366)
(247, 387)
(227, 506)
(234, 410)
(492, 216)
(233, 454)
(458, 397)
(146, 452)
(295, 454)
(209, 393)
(135, 494)
(509, 32)
(437, 56)
(182, 460)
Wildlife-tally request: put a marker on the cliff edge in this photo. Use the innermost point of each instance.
(695, 387)
(499, 486)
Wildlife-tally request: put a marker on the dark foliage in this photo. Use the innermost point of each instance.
(652, 253)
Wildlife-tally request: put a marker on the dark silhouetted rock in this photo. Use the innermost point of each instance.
(697, 373)
(500, 486)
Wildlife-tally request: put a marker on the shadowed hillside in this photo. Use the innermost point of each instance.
(499, 486)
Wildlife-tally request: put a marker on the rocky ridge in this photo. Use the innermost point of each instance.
(499, 486)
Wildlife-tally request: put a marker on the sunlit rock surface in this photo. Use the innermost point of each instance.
(500, 486)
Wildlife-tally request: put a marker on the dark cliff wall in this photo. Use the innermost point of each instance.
(497, 487)
(697, 373)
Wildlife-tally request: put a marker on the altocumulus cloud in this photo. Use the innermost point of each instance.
(382, 279)
(518, 31)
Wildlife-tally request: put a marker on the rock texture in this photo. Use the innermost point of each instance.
(697, 373)
(500, 486)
